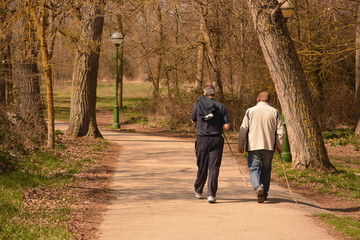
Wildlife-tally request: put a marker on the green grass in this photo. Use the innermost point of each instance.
(342, 137)
(345, 184)
(38, 171)
(135, 95)
(345, 225)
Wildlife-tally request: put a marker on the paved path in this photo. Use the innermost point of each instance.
(153, 184)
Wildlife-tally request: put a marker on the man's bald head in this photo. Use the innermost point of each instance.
(264, 97)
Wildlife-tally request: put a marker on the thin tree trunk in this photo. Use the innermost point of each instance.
(159, 57)
(177, 34)
(210, 52)
(200, 63)
(2, 81)
(8, 76)
(41, 28)
(200, 53)
(2, 61)
(84, 79)
(217, 55)
(357, 85)
(307, 145)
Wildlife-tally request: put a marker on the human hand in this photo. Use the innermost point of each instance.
(241, 149)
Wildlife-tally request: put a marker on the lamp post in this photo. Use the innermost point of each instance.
(285, 153)
(116, 39)
(287, 9)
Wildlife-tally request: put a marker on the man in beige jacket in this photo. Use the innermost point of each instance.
(263, 132)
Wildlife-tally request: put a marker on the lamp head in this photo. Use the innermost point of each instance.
(287, 8)
(117, 38)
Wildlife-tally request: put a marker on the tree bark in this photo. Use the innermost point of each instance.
(84, 79)
(307, 146)
(357, 71)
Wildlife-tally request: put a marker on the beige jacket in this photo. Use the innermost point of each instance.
(261, 128)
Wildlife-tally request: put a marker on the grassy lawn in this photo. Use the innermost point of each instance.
(344, 184)
(34, 199)
(345, 225)
(134, 93)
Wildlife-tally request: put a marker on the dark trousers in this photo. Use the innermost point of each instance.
(209, 152)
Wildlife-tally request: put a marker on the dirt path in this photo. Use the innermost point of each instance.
(153, 188)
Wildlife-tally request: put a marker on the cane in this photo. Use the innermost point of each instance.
(235, 159)
(286, 179)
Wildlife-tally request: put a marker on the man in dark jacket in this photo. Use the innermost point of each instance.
(211, 120)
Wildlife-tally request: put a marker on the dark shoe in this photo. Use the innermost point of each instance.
(260, 195)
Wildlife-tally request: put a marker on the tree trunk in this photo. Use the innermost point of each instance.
(6, 89)
(159, 57)
(7, 73)
(26, 73)
(2, 60)
(2, 80)
(40, 24)
(84, 79)
(200, 53)
(6, 63)
(357, 85)
(28, 96)
(200, 62)
(307, 145)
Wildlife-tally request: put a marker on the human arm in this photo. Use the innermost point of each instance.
(280, 133)
(193, 115)
(244, 128)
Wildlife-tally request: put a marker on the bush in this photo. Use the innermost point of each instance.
(17, 138)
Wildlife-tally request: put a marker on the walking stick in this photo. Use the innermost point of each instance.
(235, 159)
(286, 179)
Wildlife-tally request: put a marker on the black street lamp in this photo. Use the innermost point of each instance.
(116, 39)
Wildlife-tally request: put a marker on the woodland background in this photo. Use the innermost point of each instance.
(310, 63)
(177, 45)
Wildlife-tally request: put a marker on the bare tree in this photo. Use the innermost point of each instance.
(357, 85)
(159, 50)
(212, 55)
(307, 145)
(84, 79)
(200, 56)
(2, 59)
